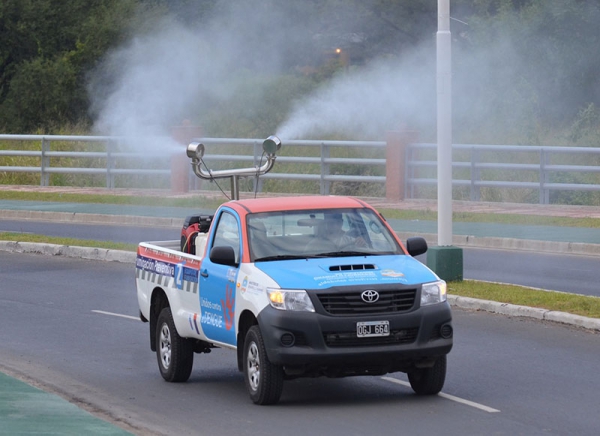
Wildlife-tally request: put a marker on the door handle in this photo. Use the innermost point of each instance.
(204, 273)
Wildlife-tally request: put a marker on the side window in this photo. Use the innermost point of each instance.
(227, 234)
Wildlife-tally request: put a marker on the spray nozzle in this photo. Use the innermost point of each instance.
(195, 151)
(271, 145)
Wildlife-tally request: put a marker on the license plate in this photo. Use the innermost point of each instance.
(372, 328)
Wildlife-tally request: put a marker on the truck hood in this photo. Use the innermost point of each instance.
(346, 271)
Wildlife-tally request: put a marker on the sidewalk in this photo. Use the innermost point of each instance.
(26, 410)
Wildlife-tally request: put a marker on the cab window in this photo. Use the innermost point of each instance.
(228, 234)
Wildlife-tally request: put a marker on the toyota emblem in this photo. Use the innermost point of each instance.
(370, 296)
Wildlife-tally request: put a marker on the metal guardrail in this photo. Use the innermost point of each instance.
(324, 160)
(112, 156)
(536, 165)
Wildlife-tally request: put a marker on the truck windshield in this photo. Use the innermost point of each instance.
(318, 233)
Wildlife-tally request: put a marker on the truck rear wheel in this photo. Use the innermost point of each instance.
(264, 380)
(175, 354)
(429, 381)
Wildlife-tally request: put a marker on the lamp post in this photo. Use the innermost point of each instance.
(444, 123)
(444, 259)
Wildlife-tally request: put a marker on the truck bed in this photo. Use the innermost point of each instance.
(174, 246)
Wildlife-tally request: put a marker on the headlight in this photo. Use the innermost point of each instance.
(287, 299)
(432, 293)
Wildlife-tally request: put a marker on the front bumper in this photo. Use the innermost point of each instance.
(317, 344)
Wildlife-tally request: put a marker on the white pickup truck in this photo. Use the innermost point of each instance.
(299, 287)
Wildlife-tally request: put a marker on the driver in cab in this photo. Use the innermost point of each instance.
(330, 236)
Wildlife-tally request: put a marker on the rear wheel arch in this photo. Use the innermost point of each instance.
(175, 355)
(158, 302)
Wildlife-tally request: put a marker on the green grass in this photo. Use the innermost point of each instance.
(560, 301)
(113, 199)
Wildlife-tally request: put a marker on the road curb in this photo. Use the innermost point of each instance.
(454, 300)
(90, 218)
(524, 311)
(69, 251)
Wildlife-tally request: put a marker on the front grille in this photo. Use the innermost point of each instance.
(349, 339)
(351, 303)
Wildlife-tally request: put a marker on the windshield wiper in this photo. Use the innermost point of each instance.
(345, 254)
(281, 257)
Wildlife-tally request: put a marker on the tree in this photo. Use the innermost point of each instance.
(51, 44)
(522, 64)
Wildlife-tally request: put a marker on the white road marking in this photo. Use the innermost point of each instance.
(448, 397)
(116, 314)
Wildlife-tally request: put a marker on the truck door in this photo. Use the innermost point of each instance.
(217, 283)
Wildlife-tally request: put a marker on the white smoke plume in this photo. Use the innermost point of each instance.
(177, 71)
(152, 84)
(367, 102)
(167, 75)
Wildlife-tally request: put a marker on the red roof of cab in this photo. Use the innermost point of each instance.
(273, 204)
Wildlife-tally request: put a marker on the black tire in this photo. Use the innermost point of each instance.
(175, 354)
(264, 380)
(429, 381)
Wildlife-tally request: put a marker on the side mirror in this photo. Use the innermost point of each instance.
(223, 255)
(416, 245)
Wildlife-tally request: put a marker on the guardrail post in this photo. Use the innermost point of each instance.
(110, 164)
(475, 175)
(544, 193)
(45, 163)
(324, 185)
(409, 188)
(395, 165)
(180, 163)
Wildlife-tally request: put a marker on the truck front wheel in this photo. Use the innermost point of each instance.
(429, 381)
(264, 380)
(175, 354)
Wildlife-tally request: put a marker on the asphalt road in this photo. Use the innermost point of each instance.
(567, 273)
(71, 325)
